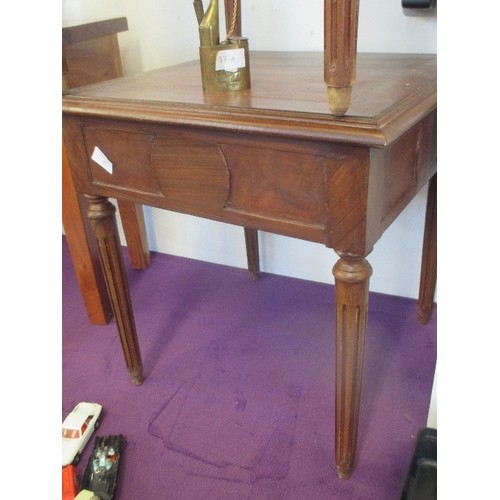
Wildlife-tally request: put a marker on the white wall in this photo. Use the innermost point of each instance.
(163, 32)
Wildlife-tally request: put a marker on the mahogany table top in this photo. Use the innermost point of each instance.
(287, 98)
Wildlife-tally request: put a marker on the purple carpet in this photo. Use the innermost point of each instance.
(238, 398)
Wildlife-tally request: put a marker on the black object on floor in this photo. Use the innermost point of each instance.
(421, 481)
(101, 474)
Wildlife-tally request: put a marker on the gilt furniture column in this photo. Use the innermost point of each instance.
(341, 35)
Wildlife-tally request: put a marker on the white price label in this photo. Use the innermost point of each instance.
(230, 60)
(100, 158)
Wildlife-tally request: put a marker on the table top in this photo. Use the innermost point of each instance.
(287, 98)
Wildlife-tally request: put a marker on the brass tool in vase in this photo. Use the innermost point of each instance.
(224, 66)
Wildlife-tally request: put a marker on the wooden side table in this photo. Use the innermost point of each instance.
(91, 54)
(280, 158)
(274, 160)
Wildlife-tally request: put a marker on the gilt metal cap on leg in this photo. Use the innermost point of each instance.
(339, 100)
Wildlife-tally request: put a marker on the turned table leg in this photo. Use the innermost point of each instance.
(428, 272)
(352, 276)
(101, 214)
(252, 247)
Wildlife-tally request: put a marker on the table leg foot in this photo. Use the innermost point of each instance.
(428, 273)
(136, 376)
(102, 217)
(352, 276)
(343, 472)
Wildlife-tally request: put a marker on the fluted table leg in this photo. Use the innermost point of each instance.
(352, 276)
(102, 217)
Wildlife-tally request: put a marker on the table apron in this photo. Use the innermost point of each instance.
(339, 195)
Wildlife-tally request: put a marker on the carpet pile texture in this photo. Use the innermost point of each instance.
(238, 397)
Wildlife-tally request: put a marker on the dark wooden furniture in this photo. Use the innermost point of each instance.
(273, 158)
(279, 157)
(90, 54)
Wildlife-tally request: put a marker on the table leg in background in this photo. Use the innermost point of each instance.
(134, 228)
(428, 273)
(252, 246)
(83, 250)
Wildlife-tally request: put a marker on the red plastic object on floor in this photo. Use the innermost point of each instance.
(69, 483)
